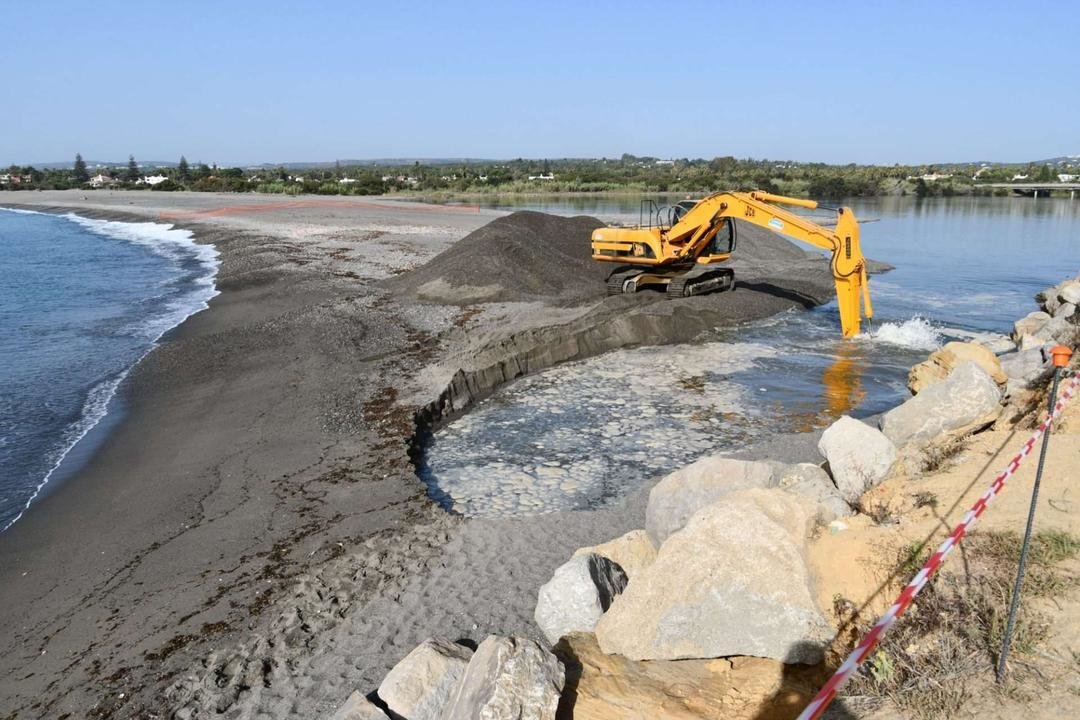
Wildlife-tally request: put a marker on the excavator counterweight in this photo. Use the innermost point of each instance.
(685, 255)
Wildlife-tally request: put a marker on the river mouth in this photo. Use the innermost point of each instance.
(584, 433)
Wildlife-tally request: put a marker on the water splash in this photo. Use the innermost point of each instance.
(917, 333)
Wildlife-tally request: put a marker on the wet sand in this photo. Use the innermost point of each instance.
(252, 539)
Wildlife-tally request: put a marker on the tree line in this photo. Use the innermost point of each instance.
(628, 173)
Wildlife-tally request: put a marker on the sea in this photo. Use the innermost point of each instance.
(81, 302)
(583, 433)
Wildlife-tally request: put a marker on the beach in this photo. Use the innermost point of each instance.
(263, 456)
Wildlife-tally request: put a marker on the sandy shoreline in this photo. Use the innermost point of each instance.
(252, 536)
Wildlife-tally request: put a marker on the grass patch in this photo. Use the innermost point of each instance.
(951, 634)
(937, 456)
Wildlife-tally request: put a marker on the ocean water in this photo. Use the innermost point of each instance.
(80, 303)
(577, 435)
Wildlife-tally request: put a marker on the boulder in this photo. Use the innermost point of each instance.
(602, 687)
(942, 361)
(419, 686)
(733, 581)
(580, 591)
(859, 456)
(1048, 298)
(1023, 366)
(508, 678)
(967, 400)
(1065, 310)
(1070, 293)
(1058, 329)
(1030, 324)
(813, 483)
(682, 493)
(358, 707)
(633, 552)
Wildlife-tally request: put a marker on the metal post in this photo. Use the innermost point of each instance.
(1060, 355)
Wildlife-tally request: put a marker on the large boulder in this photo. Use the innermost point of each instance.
(508, 678)
(580, 591)
(358, 707)
(1030, 324)
(811, 482)
(733, 581)
(967, 400)
(419, 686)
(633, 552)
(682, 493)
(859, 456)
(1023, 366)
(1070, 293)
(942, 361)
(605, 687)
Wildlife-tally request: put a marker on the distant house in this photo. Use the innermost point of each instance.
(542, 176)
(102, 180)
(152, 180)
(665, 162)
(1019, 176)
(1064, 177)
(346, 181)
(12, 179)
(930, 177)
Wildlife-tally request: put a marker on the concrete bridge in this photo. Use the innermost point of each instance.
(1036, 189)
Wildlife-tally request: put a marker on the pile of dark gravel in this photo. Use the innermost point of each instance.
(523, 256)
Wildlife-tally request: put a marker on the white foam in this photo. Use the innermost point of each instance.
(171, 243)
(917, 333)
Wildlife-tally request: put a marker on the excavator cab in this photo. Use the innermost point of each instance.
(723, 242)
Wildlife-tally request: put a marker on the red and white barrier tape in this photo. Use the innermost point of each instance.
(869, 642)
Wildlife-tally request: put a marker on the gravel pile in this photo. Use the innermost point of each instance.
(523, 256)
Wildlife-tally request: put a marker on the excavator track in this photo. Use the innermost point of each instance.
(702, 280)
(616, 282)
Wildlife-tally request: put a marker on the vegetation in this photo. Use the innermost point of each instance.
(80, 174)
(627, 174)
(946, 645)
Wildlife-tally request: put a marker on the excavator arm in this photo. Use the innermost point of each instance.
(688, 240)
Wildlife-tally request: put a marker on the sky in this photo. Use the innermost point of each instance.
(241, 83)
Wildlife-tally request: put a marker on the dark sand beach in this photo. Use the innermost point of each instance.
(252, 539)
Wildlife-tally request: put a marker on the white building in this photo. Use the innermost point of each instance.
(1064, 177)
(152, 180)
(102, 180)
(548, 176)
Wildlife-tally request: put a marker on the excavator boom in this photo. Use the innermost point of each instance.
(684, 256)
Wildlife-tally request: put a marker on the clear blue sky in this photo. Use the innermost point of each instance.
(247, 82)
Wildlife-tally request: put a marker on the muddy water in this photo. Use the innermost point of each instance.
(579, 434)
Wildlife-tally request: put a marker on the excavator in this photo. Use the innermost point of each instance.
(682, 251)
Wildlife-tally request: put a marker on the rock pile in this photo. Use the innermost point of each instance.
(506, 678)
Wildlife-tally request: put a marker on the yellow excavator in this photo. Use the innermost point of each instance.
(682, 252)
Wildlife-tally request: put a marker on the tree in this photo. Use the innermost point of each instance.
(81, 174)
(182, 170)
(132, 173)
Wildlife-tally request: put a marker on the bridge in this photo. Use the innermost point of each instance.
(1036, 189)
